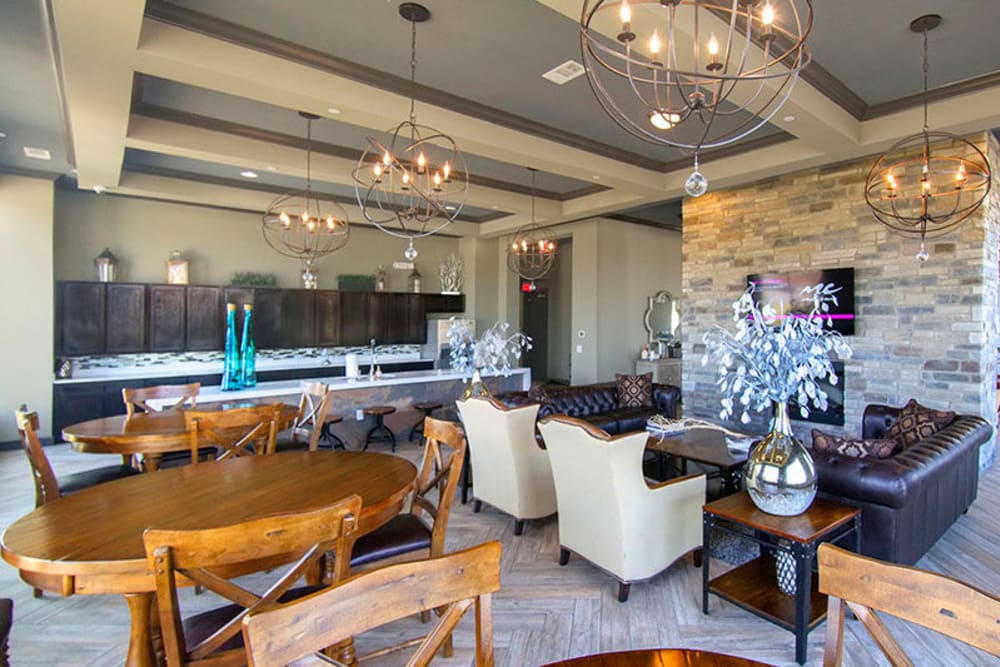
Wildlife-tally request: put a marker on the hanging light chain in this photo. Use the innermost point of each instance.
(926, 70)
(413, 70)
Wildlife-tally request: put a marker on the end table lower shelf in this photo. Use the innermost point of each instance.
(752, 587)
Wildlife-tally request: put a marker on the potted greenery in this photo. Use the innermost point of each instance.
(349, 282)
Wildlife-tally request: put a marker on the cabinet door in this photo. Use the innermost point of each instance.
(167, 316)
(80, 323)
(206, 323)
(353, 318)
(444, 303)
(378, 316)
(406, 322)
(75, 403)
(299, 318)
(267, 306)
(327, 318)
(126, 318)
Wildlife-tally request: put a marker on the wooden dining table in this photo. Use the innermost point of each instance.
(659, 657)
(90, 542)
(150, 434)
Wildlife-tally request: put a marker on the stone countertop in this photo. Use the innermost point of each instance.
(180, 369)
(283, 388)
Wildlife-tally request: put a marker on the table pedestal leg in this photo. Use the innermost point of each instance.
(151, 462)
(140, 645)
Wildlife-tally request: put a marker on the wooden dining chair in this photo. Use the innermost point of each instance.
(454, 582)
(175, 556)
(308, 425)
(6, 622)
(234, 433)
(932, 600)
(135, 397)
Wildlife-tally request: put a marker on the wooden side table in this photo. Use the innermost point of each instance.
(754, 585)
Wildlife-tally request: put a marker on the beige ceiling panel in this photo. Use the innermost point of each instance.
(195, 59)
(97, 41)
(974, 112)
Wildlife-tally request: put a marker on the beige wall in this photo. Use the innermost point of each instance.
(142, 234)
(26, 287)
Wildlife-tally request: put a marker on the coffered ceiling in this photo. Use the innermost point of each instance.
(173, 99)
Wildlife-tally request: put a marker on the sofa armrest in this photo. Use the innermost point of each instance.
(667, 399)
(877, 421)
(890, 481)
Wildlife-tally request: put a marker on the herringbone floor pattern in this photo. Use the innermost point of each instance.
(543, 612)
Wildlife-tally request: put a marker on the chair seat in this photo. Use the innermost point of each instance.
(289, 445)
(401, 535)
(430, 406)
(88, 478)
(376, 410)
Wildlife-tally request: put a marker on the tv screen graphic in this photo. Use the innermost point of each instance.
(783, 291)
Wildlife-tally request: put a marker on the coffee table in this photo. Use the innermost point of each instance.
(753, 585)
(701, 445)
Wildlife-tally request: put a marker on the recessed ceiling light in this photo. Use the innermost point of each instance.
(3, 135)
(496, 207)
(248, 174)
(449, 207)
(271, 167)
(596, 177)
(333, 110)
(789, 118)
(37, 153)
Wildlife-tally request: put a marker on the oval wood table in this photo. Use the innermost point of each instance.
(150, 434)
(90, 542)
(659, 657)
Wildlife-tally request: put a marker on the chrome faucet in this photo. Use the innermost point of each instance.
(371, 368)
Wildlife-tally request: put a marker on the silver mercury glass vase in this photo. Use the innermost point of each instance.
(780, 475)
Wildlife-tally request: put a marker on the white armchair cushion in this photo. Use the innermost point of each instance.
(608, 514)
(510, 471)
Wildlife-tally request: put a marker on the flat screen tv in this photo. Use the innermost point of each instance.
(784, 292)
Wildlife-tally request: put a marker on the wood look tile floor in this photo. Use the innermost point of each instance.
(543, 612)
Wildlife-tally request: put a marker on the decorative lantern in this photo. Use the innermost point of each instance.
(107, 266)
(415, 280)
(177, 269)
(381, 280)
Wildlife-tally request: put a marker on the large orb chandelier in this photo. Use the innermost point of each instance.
(531, 251)
(412, 180)
(922, 190)
(694, 74)
(305, 224)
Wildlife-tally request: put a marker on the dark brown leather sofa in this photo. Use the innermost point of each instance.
(909, 500)
(597, 404)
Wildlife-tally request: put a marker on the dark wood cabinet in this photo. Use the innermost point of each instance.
(327, 318)
(407, 322)
(378, 317)
(205, 318)
(353, 318)
(298, 319)
(74, 403)
(126, 318)
(167, 317)
(267, 313)
(444, 303)
(80, 318)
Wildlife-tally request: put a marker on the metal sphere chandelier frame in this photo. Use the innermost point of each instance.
(531, 251)
(305, 224)
(924, 190)
(411, 181)
(688, 89)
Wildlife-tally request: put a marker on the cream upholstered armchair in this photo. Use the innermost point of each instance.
(608, 513)
(510, 471)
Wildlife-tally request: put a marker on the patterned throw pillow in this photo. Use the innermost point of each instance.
(915, 422)
(858, 449)
(635, 391)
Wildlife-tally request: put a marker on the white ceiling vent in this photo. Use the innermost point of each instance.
(37, 153)
(568, 71)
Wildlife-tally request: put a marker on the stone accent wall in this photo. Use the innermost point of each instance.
(926, 331)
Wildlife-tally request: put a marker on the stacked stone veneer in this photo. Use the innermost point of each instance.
(928, 331)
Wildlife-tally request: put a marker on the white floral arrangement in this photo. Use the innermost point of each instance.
(452, 272)
(494, 353)
(763, 362)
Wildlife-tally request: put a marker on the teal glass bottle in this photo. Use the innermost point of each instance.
(248, 350)
(231, 370)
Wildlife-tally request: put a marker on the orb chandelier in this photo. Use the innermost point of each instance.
(305, 224)
(412, 180)
(532, 249)
(921, 190)
(694, 74)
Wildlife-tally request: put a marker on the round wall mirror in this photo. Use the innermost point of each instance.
(661, 317)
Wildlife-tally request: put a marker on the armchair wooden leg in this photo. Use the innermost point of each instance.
(519, 526)
(563, 556)
(696, 557)
(36, 592)
(477, 505)
(623, 591)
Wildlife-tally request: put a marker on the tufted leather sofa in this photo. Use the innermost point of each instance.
(909, 500)
(596, 404)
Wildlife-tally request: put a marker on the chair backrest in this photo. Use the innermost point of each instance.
(135, 398)
(456, 581)
(444, 453)
(308, 424)
(46, 485)
(512, 472)
(6, 621)
(302, 538)
(932, 600)
(232, 432)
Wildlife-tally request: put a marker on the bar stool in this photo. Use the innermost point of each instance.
(379, 431)
(327, 433)
(427, 409)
